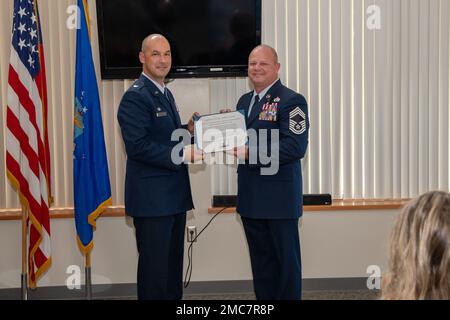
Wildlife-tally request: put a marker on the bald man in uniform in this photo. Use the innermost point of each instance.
(157, 188)
(270, 205)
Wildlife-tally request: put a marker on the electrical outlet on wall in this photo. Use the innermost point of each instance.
(191, 234)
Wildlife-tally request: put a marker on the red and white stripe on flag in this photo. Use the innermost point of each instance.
(27, 148)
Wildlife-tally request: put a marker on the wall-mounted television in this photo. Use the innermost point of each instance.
(208, 38)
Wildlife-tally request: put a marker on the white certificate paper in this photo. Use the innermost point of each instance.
(220, 132)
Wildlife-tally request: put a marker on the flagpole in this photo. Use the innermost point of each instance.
(24, 280)
(88, 277)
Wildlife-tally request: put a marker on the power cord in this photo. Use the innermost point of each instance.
(191, 249)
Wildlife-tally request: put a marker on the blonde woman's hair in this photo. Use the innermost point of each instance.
(420, 250)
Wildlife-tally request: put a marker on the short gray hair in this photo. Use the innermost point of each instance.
(265, 46)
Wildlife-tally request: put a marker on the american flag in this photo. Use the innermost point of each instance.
(27, 149)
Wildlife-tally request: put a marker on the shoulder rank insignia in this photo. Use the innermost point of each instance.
(137, 84)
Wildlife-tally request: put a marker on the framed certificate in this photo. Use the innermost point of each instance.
(220, 132)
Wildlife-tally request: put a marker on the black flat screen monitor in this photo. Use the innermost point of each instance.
(208, 38)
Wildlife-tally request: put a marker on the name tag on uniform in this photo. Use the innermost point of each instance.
(161, 114)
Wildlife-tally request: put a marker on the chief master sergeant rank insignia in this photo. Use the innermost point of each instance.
(297, 121)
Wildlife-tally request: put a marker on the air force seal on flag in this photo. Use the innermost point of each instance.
(297, 121)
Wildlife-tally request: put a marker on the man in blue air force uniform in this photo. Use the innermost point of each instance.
(271, 205)
(157, 190)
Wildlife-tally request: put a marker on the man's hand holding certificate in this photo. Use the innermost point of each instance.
(220, 132)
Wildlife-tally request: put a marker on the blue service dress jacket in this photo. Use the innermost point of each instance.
(277, 196)
(154, 185)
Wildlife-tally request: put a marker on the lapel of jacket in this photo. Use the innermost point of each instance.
(256, 110)
(159, 96)
(245, 104)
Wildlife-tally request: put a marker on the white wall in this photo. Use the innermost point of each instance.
(334, 244)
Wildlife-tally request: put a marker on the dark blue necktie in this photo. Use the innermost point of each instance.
(173, 109)
(166, 93)
(253, 105)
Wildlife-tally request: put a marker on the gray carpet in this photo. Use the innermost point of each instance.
(307, 295)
